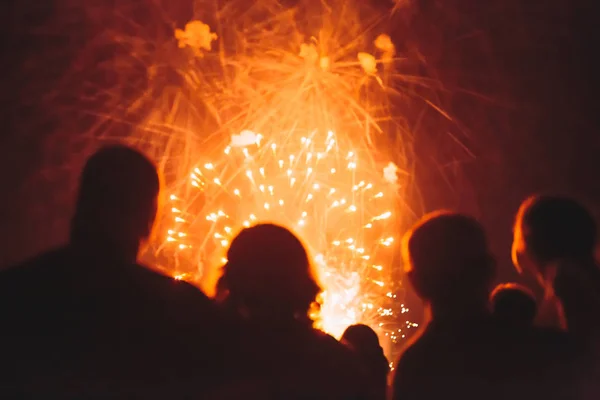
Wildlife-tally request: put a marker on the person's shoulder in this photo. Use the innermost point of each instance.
(417, 356)
(551, 337)
(164, 284)
(547, 346)
(411, 367)
(41, 259)
(341, 362)
(557, 358)
(331, 345)
(419, 344)
(182, 306)
(31, 282)
(36, 267)
(326, 339)
(178, 295)
(410, 353)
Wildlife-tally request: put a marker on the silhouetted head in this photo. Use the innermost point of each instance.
(549, 229)
(448, 261)
(362, 338)
(513, 304)
(364, 342)
(118, 199)
(268, 273)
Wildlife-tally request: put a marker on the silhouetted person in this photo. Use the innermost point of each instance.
(268, 286)
(86, 320)
(513, 305)
(364, 342)
(462, 352)
(555, 238)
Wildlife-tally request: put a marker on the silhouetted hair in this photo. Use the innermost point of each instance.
(117, 194)
(555, 228)
(268, 269)
(447, 257)
(362, 338)
(513, 304)
(364, 342)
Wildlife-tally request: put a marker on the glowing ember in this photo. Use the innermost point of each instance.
(296, 112)
(297, 156)
(315, 186)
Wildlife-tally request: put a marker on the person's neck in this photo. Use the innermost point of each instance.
(572, 274)
(589, 265)
(102, 246)
(575, 288)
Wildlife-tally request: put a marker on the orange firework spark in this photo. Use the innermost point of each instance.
(298, 112)
(276, 109)
(342, 208)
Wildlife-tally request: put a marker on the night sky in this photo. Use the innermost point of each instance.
(520, 78)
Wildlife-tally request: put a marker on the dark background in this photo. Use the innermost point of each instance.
(520, 80)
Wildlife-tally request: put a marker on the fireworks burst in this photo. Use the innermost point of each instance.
(319, 189)
(278, 110)
(316, 100)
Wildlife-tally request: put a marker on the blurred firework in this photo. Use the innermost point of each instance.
(344, 211)
(298, 93)
(274, 110)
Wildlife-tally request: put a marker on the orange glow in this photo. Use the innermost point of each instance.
(275, 115)
(344, 216)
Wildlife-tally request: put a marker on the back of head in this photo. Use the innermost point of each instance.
(554, 228)
(365, 344)
(268, 271)
(361, 338)
(513, 304)
(118, 197)
(555, 238)
(364, 340)
(447, 259)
